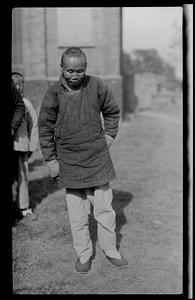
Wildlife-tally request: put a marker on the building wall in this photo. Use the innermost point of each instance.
(17, 57)
(154, 91)
(37, 55)
(33, 45)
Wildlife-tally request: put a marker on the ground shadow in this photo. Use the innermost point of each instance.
(16, 215)
(120, 200)
(40, 189)
(35, 163)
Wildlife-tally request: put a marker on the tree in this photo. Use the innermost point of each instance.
(175, 52)
(128, 66)
(149, 60)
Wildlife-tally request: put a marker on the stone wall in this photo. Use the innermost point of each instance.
(150, 91)
(36, 53)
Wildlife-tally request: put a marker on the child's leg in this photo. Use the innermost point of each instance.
(79, 209)
(23, 192)
(106, 219)
(14, 175)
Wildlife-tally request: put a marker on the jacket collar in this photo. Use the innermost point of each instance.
(66, 87)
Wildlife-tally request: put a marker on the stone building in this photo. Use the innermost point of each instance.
(147, 90)
(41, 34)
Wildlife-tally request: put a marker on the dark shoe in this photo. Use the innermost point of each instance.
(16, 216)
(83, 268)
(118, 263)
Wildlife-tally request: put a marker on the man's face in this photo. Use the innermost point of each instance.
(73, 70)
(19, 83)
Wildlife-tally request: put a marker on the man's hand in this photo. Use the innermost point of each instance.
(109, 140)
(55, 179)
(53, 167)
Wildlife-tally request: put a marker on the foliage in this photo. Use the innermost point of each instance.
(147, 60)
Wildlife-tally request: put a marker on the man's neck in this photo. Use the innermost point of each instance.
(73, 88)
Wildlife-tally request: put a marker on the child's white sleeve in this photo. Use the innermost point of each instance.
(32, 128)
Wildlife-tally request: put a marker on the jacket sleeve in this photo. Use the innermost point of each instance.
(19, 109)
(110, 110)
(32, 126)
(46, 121)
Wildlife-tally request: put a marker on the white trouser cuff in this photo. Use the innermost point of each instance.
(113, 253)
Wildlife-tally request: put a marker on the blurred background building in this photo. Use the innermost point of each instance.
(152, 59)
(136, 50)
(40, 35)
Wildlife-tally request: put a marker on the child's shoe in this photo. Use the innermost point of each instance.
(29, 214)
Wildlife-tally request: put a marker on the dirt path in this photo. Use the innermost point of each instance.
(159, 116)
(147, 155)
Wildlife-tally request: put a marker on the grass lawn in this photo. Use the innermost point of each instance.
(147, 156)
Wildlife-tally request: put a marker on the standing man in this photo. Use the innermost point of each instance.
(75, 147)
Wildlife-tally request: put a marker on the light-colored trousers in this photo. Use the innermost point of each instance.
(78, 202)
(22, 190)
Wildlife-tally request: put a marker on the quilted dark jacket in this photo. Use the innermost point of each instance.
(71, 131)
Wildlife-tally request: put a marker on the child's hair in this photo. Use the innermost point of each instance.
(17, 75)
(73, 52)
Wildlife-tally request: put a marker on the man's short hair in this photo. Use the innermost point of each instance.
(73, 52)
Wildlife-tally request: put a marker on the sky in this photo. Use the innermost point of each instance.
(149, 27)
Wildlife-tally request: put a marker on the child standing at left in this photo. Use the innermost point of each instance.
(25, 143)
